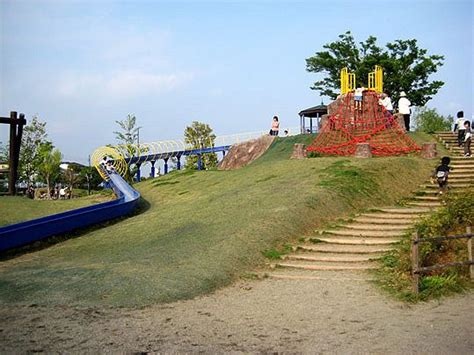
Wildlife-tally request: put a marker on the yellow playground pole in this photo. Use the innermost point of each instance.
(344, 81)
(376, 79)
(348, 81)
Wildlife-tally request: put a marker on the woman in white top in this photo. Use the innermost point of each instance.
(275, 126)
(404, 108)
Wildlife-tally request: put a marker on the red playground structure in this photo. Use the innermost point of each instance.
(362, 122)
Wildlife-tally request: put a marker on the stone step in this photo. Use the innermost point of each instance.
(365, 233)
(343, 248)
(316, 275)
(463, 171)
(425, 204)
(359, 241)
(452, 185)
(436, 191)
(377, 226)
(405, 210)
(334, 258)
(426, 198)
(386, 221)
(461, 180)
(460, 159)
(466, 164)
(382, 216)
(326, 265)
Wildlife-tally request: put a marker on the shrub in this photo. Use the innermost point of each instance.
(429, 120)
(395, 273)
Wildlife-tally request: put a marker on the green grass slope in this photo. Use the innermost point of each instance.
(200, 230)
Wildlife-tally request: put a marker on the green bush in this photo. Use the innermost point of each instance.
(395, 272)
(429, 120)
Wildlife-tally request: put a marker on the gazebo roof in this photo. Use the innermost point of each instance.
(314, 111)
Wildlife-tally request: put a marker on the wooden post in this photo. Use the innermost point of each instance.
(415, 263)
(11, 160)
(469, 251)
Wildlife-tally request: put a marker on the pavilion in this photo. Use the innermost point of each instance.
(311, 113)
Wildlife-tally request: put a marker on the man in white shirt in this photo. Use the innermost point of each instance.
(404, 108)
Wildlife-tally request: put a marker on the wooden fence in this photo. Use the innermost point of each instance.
(417, 270)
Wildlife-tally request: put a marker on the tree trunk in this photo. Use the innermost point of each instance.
(48, 190)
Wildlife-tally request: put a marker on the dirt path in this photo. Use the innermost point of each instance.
(303, 316)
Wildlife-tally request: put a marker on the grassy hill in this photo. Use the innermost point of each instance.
(198, 231)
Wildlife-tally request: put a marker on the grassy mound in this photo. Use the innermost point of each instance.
(200, 230)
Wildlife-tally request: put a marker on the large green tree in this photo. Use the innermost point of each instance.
(200, 135)
(34, 137)
(49, 168)
(429, 120)
(406, 67)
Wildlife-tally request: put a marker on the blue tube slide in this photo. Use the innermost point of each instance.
(22, 233)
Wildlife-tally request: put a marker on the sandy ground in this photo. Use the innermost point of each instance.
(268, 316)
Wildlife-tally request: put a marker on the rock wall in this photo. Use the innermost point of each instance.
(243, 154)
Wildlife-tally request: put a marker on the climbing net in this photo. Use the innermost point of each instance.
(362, 122)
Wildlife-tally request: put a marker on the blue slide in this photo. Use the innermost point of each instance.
(19, 234)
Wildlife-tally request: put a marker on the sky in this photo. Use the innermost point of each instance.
(82, 65)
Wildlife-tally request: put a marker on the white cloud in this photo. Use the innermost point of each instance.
(120, 84)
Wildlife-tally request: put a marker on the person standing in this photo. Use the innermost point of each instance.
(467, 139)
(386, 102)
(275, 126)
(459, 126)
(404, 108)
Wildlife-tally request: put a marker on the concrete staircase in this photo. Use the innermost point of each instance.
(355, 245)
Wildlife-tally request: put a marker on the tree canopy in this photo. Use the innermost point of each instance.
(128, 133)
(49, 168)
(429, 120)
(128, 136)
(34, 137)
(406, 67)
(200, 135)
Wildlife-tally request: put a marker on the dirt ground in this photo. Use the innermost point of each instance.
(267, 316)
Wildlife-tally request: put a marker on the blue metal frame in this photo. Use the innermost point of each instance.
(19, 234)
(167, 155)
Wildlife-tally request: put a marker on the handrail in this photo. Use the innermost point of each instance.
(415, 256)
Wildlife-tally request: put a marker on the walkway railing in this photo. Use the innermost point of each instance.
(123, 155)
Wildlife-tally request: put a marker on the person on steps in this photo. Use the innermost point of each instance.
(459, 126)
(404, 108)
(467, 139)
(441, 174)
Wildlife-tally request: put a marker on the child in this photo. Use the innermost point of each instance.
(467, 139)
(358, 95)
(441, 174)
(459, 126)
